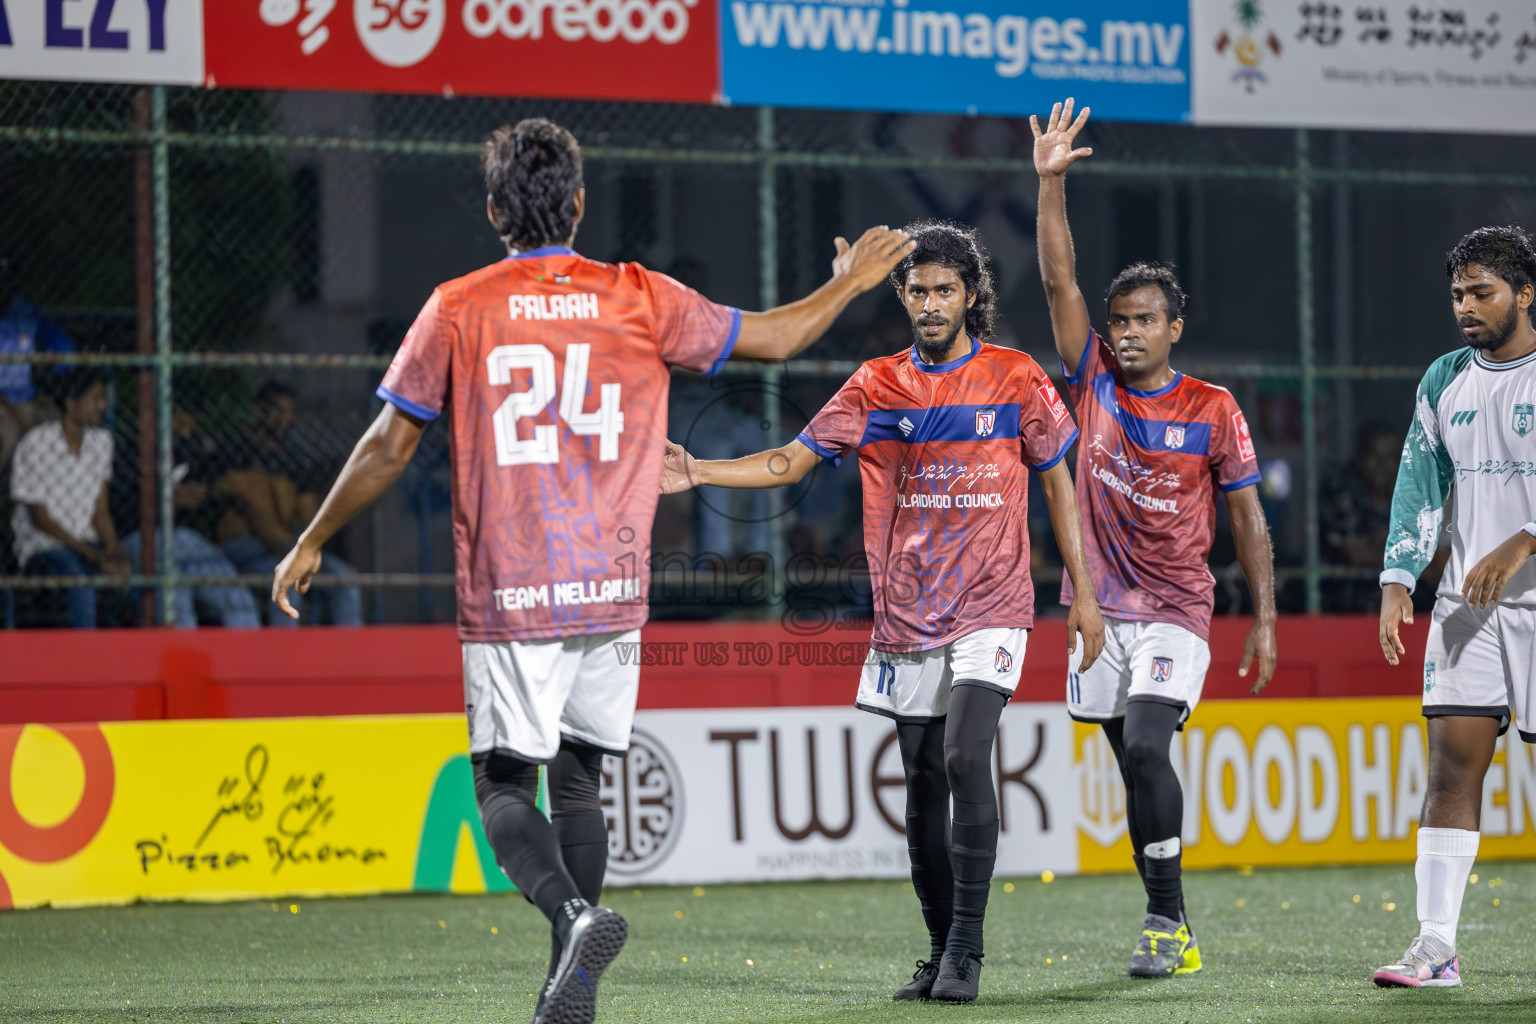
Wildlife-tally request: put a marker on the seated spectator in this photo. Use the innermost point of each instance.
(24, 329)
(59, 477)
(270, 499)
(1356, 515)
(194, 554)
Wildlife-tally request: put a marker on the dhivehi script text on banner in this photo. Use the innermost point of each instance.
(1459, 66)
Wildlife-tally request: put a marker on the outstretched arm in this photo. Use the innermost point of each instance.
(784, 331)
(1083, 617)
(1058, 263)
(777, 467)
(378, 460)
(1250, 532)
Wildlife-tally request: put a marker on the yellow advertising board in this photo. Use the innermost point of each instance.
(238, 809)
(1283, 782)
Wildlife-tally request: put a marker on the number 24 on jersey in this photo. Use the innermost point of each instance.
(605, 423)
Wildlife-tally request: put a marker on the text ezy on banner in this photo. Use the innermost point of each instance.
(1128, 60)
(151, 41)
(654, 50)
(1467, 66)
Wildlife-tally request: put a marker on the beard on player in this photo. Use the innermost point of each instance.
(1493, 335)
(933, 347)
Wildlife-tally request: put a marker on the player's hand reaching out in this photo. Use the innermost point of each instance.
(870, 260)
(1260, 644)
(1084, 618)
(296, 570)
(1053, 147)
(1396, 609)
(678, 472)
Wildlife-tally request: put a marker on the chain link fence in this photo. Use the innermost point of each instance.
(219, 278)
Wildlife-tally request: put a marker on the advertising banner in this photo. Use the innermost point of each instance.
(662, 50)
(1390, 64)
(243, 809)
(1128, 60)
(152, 41)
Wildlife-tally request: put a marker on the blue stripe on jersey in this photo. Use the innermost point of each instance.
(1151, 435)
(1042, 467)
(940, 423)
(1247, 481)
(820, 449)
(421, 412)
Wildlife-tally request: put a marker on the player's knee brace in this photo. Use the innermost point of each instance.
(504, 784)
(576, 778)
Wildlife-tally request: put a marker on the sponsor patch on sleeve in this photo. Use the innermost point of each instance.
(1053, 401)
(1244, 437)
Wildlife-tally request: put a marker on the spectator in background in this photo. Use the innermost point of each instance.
(194, 554)
(59, 478)
(272, 497)
(24, 329)
(1356, 517)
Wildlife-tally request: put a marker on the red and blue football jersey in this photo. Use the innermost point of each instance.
(944, 452)
(1148, 468)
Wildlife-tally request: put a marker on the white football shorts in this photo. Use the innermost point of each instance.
(1155, 661)
(521, 697)
(916, 685)
(1477, 661)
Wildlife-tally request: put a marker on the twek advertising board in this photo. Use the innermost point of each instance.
(1129, 61)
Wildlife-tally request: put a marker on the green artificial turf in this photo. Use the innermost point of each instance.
(1287, 945)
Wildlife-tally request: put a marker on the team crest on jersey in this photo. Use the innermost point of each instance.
(1162, 670)
(1173, 437)
(1524, 418)
(986, 422)
(1003, 661)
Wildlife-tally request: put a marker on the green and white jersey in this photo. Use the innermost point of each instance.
(1471, 449)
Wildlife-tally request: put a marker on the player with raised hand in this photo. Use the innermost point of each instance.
(1156, 447)
(946, 432)
(554, 370)
(1470, 448)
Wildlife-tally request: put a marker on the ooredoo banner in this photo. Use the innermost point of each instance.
(103, 40)
(576, 49)
(241, 809)
(1389, 64)
(1128, 59)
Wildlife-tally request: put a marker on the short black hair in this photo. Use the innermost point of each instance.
(532, 174)
(1141, 274)
(1506, 251)
(74, 381)
(955, 246)
(274, 389)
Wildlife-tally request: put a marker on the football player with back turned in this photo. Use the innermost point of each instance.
(554, 371)
(1156, 447)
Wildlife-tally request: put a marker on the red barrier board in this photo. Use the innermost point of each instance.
(115, 675)
(657, 50)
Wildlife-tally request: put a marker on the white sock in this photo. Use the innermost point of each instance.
(1445, 860)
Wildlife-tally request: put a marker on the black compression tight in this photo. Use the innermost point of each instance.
(1154, 801)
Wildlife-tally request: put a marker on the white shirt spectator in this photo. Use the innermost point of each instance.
(45, 472)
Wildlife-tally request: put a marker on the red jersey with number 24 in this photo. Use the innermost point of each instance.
(1148, 468)
(553, 369)
(944, 456)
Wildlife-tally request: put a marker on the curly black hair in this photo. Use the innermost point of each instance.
(532, 174)
(1507, 251)
(955, 246)
(1141, 274)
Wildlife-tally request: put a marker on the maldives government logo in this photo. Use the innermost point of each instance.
(1245, 46)
(986, 422)
(1524, 418)
(1003, 661)
(1162, 670)
(1173, 437)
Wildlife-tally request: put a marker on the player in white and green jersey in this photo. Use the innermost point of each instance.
(1471, 449)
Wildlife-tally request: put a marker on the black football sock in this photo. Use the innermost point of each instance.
(922, 760)
(575, 781)
(969, 733)
(1159, 807)
(523, 840)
